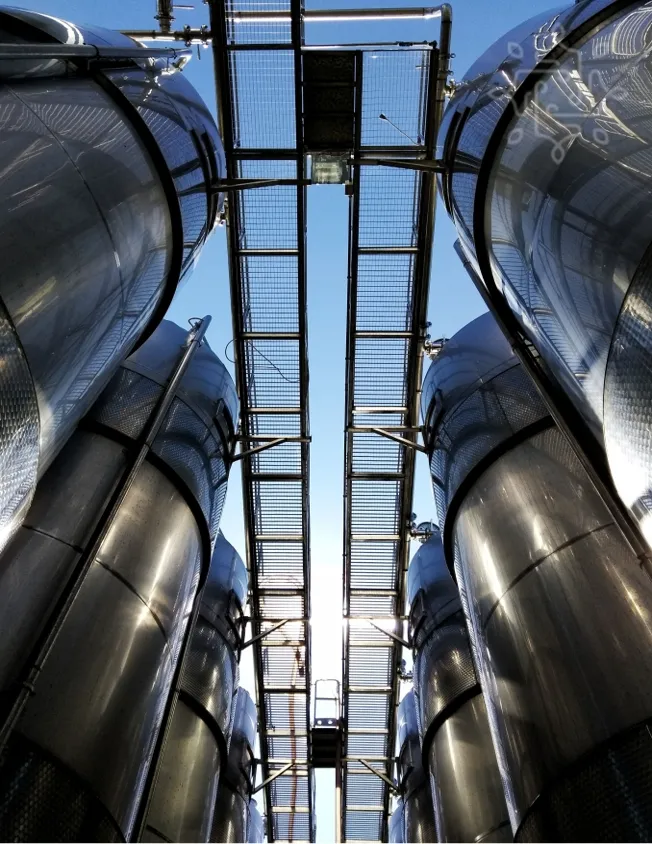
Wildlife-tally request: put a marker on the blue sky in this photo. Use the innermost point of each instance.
(453, 301)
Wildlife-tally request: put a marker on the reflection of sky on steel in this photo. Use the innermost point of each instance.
(584, 89)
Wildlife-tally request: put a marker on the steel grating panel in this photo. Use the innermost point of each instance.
(390, 242)
(258, 71)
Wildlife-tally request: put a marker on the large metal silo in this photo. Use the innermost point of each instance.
(467, 792)
(79, 756)
(106, 164)
(559, 609)
(549, 184)
(183, 802)
(232, 823)
(417, 819)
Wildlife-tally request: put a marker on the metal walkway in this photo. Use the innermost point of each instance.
(400, 100)
(258, 68)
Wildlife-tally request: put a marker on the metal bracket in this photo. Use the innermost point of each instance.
(250, 184)
(273, 776)
(392, 785)
(404, 164)
(266, 445)
(393, 636)
(389, 435)
(265, 633)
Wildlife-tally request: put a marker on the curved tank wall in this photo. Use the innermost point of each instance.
(183, 803)
(87, 735)
(104, 204)
(560, 613)
(467, 792)
(549, 188)
(256, 833)
(417, 812)
(231, 824)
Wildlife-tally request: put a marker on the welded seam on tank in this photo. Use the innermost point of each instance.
(201, 519)
(512, 441)
(479, 838)
(205, 715)
(537, 563)
(51, 536)
(159, 833)
(447, 712)
(132, 589)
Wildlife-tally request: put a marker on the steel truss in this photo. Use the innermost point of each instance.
(258, 80)
(390, 244)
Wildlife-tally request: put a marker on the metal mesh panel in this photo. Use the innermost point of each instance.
(40, 800)
(387, 283)
(394, 85)
(19, 421)
(608, 797)
(443, 670)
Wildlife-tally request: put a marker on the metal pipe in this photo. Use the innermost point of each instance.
(141, 449)
(337, 15)
(87, 51)
(164, 14)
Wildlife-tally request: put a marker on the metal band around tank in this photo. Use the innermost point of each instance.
(510, 442)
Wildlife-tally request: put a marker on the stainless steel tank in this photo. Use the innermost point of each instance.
(397, 823)
(548, 144)
(183, 802)
(76, 764)
(104, 204)
(418, 819)
(256, 831)
(467, 792)
(232, 824)
(559, 610)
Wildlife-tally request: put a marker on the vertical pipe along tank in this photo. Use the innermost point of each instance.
(183, 803)
(76, 763)
(468, 797)
(232, 813)
(549, 144)
(104, 203)
(417, 811)
(560, 611)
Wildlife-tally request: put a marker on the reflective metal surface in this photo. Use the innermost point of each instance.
(196, 438)
(86, 231)
(102, 690)
(183, 802)
(79, 286)
(537, 555)
(474, 411)
(184, 799)
(457, 748)
(236, 783)
(38, 562)
(256, 832)
(418, 813)
(467, 791)
(397, 823)
(568, 212)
